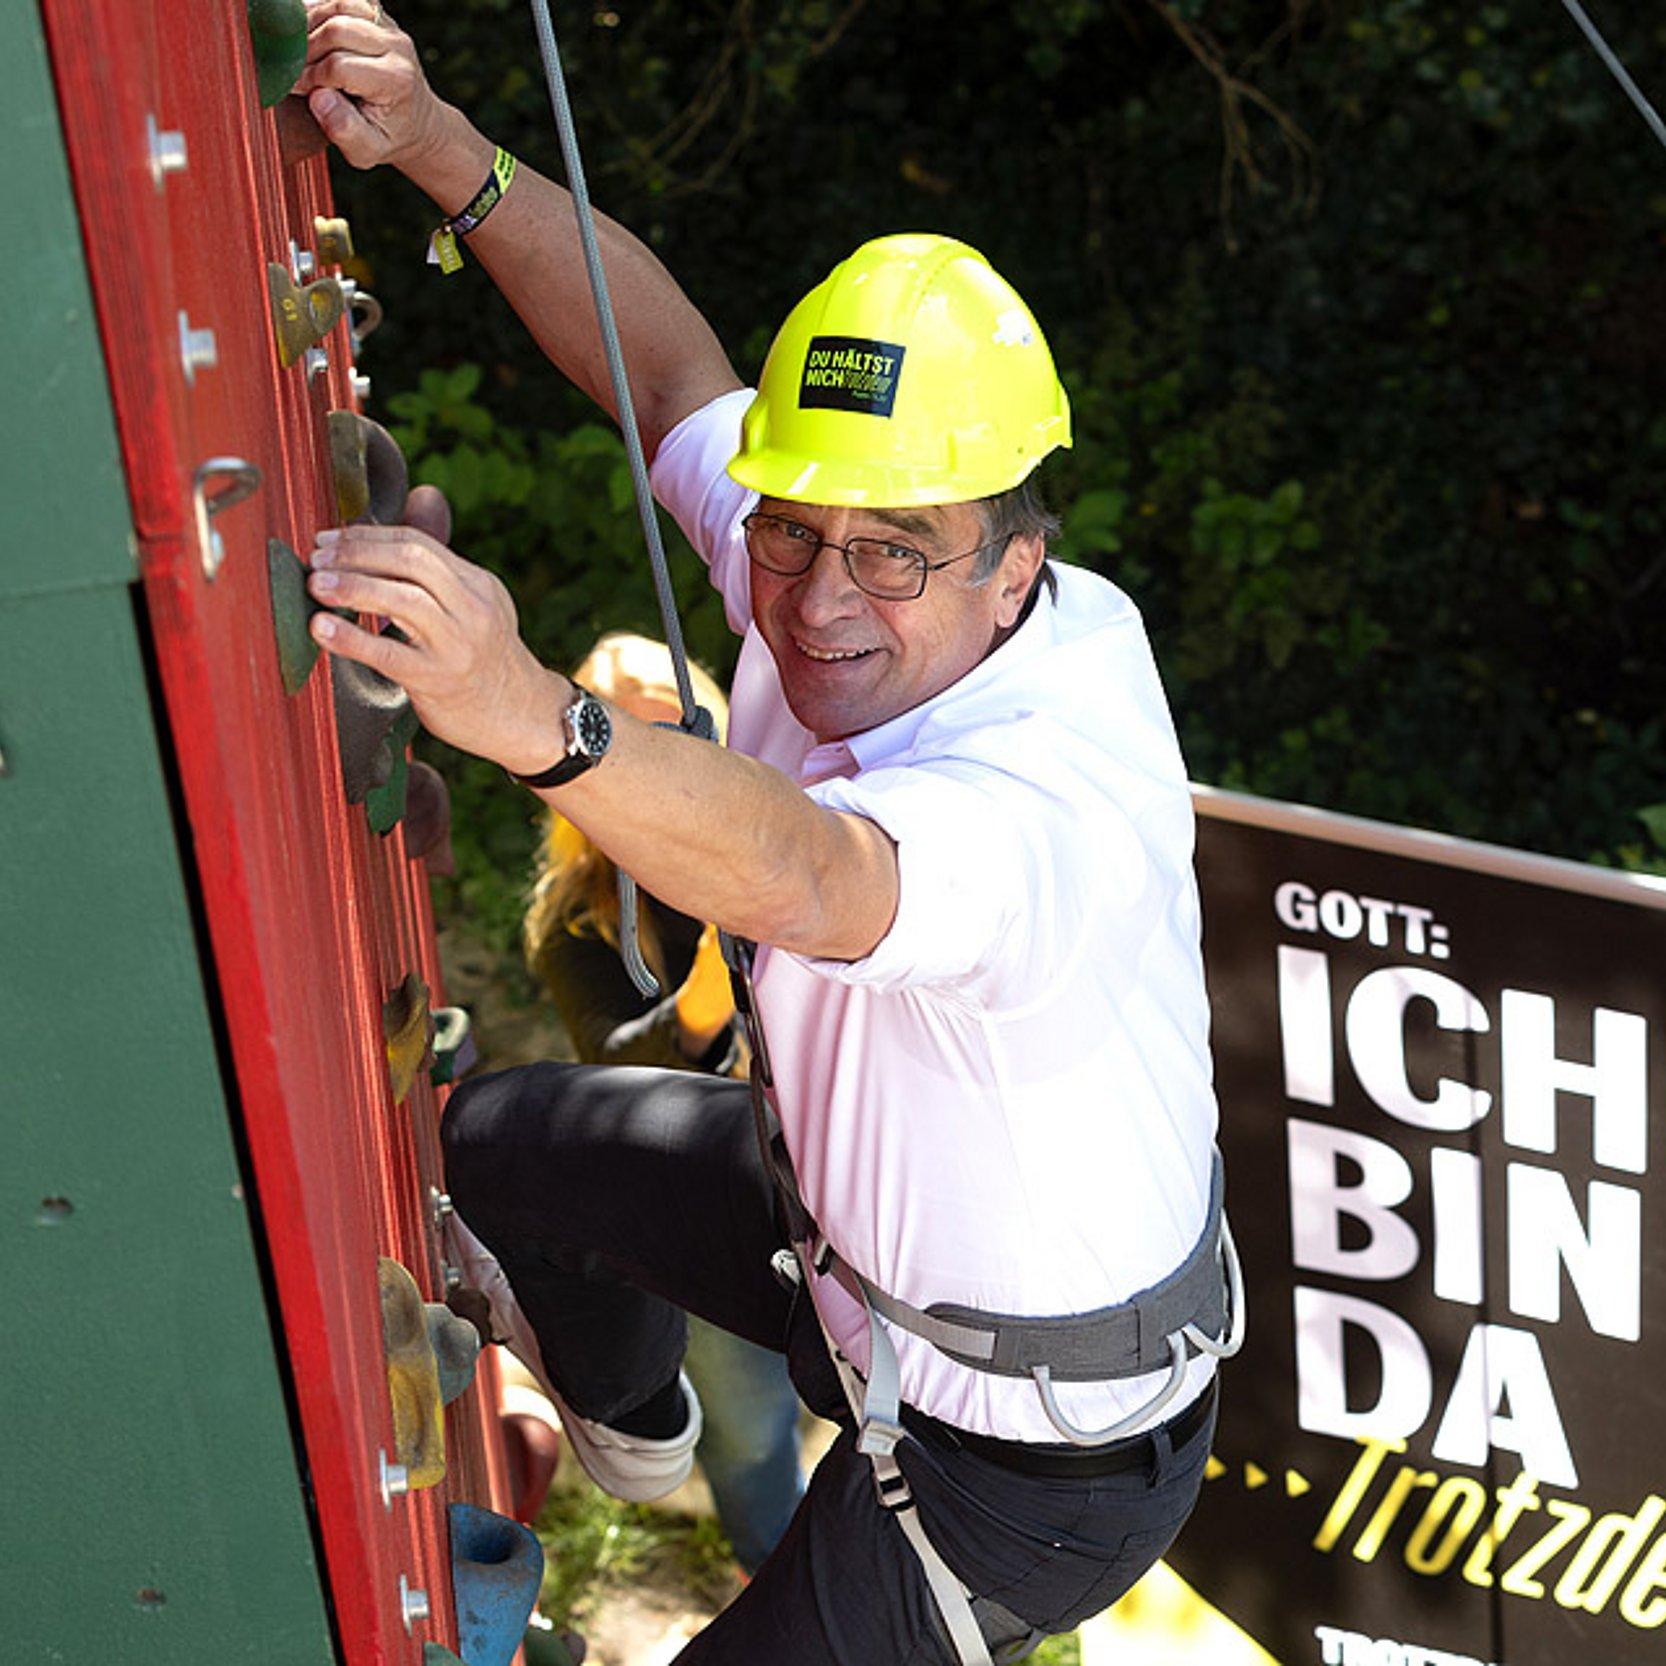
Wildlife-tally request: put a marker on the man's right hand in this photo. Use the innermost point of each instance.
(365, 86)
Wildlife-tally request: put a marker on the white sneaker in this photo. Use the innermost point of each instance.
(633, 1467)
(630, 1467)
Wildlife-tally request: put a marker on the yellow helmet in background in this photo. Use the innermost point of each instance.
(914, 375)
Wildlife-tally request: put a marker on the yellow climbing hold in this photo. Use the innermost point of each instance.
(408, 1029)
(347, 466)
(334, 238)
(301, 318)
(413, 1377)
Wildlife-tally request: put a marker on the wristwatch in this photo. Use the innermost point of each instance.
(588, 731)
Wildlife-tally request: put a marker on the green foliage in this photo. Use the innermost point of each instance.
(1359, 306)
(552, 513)
(595, 1546)
(1059, 1651)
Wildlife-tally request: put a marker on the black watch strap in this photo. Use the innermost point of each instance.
(589, 733)
(558, 774)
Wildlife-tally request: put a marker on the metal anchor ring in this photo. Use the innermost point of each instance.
(244, 478)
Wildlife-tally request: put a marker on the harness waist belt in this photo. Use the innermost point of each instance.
(1064, 1462)
(1128, 1339)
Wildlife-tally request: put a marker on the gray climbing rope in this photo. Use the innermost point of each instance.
(1618, 70)
(696, 720)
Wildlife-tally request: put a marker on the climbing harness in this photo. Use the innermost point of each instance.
(1199, 1309)
(1167, 1323)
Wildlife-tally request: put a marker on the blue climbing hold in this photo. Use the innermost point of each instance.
(497, 1566)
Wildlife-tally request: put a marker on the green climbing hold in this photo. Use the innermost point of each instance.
(278, 32)
(543, 1645)
(456, 1344)
(454, 1050)
(292, 611)
(385, 804)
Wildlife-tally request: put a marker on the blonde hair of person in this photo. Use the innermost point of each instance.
(577, 888)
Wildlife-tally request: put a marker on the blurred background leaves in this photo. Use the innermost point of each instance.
(1360, 305)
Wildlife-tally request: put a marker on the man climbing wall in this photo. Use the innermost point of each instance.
(956, 822)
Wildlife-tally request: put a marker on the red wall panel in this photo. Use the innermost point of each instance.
(313, 919)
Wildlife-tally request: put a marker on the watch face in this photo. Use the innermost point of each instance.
(593, 728)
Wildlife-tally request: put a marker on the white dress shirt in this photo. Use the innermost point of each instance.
(1008, 1104)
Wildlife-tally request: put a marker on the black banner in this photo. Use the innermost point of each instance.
(1439, 1069)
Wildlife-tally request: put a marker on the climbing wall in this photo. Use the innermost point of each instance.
(228, 337)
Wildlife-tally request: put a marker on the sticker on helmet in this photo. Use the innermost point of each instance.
(850, 373)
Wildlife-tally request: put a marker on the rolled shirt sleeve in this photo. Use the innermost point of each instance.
(968, 872)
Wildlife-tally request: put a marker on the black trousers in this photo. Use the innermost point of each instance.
(615, 1198)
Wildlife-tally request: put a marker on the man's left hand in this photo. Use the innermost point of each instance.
(474, 683)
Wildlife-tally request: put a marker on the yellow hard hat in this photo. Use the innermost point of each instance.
(914, 375)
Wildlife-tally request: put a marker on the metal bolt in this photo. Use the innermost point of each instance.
(440, 1206)
(302, 262)
(167, 151)
(413, 1604)
(317, 361)
(197, 349)
(453, 1277)
(393, 1480)
(361, 386)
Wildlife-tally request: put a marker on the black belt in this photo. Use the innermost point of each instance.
(1065, 1462)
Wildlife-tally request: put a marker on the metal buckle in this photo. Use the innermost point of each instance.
(784, 1264)
(877, 1437)
(894, 1496)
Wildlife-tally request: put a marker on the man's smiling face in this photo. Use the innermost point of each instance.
(850, 661)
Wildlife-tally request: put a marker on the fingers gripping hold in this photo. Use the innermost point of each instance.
(398, 660)
(471, 679)
(320, 12)
(364, 83)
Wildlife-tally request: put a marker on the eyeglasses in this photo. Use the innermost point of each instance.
(877, 566)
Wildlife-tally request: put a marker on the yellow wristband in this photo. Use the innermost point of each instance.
(443, 250)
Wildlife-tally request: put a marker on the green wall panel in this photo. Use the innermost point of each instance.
(147, 1442)
(55, 397)
(153, 1505)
